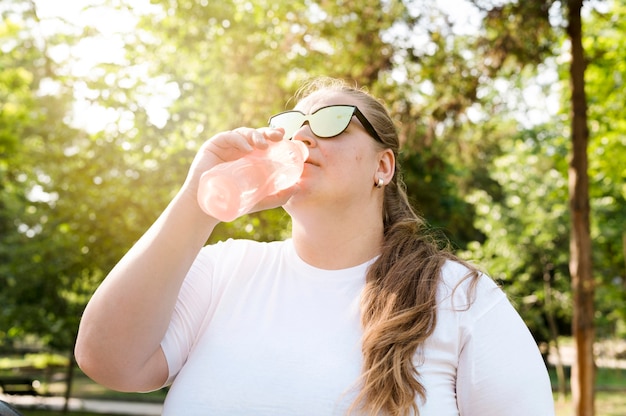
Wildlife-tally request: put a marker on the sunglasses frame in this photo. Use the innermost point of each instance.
(355, 112)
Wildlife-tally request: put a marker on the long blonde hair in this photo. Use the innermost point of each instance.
(399, 302)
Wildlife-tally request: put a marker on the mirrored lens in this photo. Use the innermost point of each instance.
(331, 121)
(291, 121)
(326, 122)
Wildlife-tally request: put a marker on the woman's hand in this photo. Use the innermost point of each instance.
(232, 145)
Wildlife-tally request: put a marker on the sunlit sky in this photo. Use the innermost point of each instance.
(108, 47)
(108, 21)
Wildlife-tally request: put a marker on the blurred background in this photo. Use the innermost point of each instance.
(103, 104)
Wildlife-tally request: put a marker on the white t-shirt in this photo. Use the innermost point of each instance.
(257, 331)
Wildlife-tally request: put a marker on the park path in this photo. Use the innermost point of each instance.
(608, 354)
(96, 406)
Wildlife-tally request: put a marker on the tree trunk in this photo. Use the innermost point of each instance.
(624, 249)
(554, 331)
(583, 370)
(69, 379)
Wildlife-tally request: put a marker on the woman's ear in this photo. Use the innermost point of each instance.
(386, 166)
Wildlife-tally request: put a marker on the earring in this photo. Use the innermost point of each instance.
(380, 182)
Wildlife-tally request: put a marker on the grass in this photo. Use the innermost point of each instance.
(606, 378)
(610, 399)
(608, 403)
(85, 388)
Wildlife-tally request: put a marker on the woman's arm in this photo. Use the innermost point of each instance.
(122, 327)
(501, 371)
(124, 322)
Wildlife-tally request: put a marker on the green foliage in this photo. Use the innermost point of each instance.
(606, 46)
(39, 361)
(35, 263)
(73, 201)
(429, 183)
(518, 34)
(526, 221)
(527, 228)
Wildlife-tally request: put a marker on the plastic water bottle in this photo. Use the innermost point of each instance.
(231, 189)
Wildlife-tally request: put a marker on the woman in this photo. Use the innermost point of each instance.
(359, 312)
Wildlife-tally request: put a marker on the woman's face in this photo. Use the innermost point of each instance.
(340, 171)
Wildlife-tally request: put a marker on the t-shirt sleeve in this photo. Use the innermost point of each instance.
(192, 307)
(500, 370)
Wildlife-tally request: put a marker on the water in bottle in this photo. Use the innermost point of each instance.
(231, 189)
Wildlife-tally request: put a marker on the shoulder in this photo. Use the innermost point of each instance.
(464, 288)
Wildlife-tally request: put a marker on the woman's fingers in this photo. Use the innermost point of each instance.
(233, 144)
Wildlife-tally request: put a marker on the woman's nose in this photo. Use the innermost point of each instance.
(305, 135)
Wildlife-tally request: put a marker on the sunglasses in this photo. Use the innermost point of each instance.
(325, 122)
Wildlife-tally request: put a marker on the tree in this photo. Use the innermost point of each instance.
(583, 372)
(532, 19)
